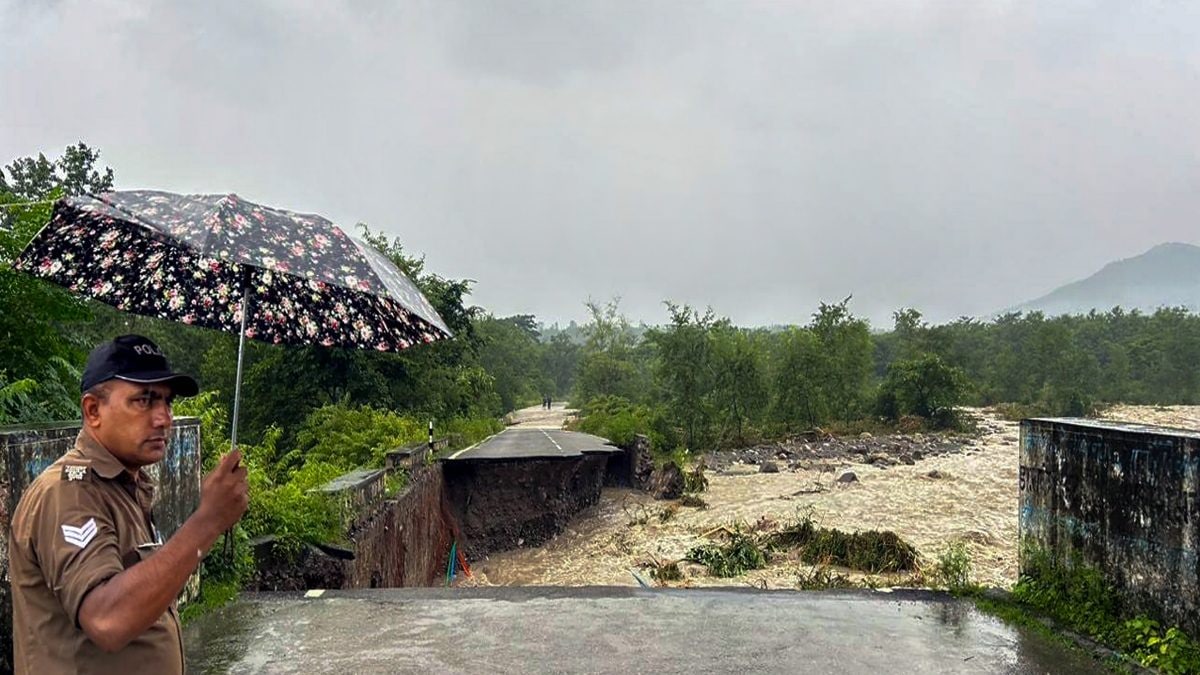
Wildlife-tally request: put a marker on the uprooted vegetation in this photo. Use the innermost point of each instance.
(870, 551)
(745, 549)
(740, 554)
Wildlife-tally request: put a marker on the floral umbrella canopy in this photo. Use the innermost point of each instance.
(192, 259)
(221, 262)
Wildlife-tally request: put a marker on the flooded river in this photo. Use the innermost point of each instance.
(968, 496)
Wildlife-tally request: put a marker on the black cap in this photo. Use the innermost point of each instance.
(134, 358)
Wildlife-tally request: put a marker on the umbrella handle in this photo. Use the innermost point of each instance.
(237, 393)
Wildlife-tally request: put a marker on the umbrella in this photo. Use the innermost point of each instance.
(222, 262)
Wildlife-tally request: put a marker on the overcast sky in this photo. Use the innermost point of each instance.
(758, 157)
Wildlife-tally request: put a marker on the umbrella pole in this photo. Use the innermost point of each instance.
(237, 392)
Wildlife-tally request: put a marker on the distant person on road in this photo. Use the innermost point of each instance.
(93, 584)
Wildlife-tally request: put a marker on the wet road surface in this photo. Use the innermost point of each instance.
(616, 630)
(517, 442)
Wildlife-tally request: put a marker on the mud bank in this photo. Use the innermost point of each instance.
(506, 504)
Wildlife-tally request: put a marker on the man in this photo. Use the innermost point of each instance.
(93, 584)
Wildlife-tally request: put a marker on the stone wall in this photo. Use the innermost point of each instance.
(1124, 499)
(26, 451)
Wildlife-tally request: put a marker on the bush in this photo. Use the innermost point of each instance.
(615, 418)
(294, 512)
(924, 386)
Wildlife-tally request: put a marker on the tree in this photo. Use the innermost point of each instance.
(846, 349)
(924, 386)
(739, 390)
(798, 401)
(607, 366)
(75, 172)
(685, 371)
(41, 341)
(560, 362)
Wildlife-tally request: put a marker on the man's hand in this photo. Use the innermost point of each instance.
(125, 606)
(225, 493)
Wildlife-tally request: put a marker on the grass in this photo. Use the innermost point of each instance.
(953, 570)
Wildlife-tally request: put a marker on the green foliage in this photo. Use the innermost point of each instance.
(924, 386)
(40, 336)
(953, 570)
(73, 173)
(615, 418)
(1079, 597)
(846, 352)
(560, 363)
(737, 556)
(798, 401)
(16, 400)
(822, 578)
(348, 437)
(294, 512)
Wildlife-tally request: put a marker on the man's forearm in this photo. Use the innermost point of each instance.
(125, 606)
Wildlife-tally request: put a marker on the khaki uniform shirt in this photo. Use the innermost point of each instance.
(81, 522)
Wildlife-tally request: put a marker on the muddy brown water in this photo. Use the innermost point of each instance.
(972, 500)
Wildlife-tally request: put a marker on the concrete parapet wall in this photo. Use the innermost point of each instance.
(357, 492)
(398, 541)
(1124, 499)
(407, 541)
(26, 451)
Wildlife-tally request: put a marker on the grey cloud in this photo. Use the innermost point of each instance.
(758, 157)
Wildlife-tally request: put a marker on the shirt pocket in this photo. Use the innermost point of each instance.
(139, 553)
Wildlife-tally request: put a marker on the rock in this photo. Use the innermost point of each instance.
(917, 455)
(908, 459)
(865, 434)
(936, 474)
(848, 477)
(768, 467)
(667, 482)
(642, 463)
(878, 458)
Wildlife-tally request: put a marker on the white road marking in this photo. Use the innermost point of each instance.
(552, 440)
(472, 447)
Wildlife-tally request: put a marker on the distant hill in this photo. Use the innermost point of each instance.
(1166, 275)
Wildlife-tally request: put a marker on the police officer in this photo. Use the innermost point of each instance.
(93, 584)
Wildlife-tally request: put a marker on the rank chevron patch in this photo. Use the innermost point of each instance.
(80, 536)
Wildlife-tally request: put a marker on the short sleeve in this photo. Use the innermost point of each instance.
(75, 543)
